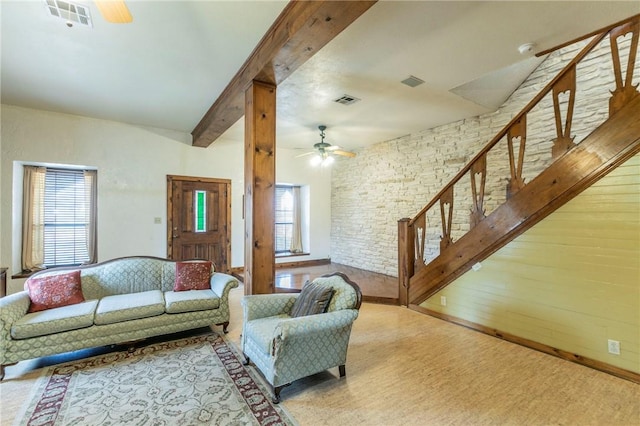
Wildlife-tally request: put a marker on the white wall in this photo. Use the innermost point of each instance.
(132, 165)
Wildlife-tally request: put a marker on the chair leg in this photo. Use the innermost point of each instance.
(276, 393)
(224, 325)
(246, 361)
(343, 371)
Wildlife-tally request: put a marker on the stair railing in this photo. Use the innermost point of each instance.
(414, 243)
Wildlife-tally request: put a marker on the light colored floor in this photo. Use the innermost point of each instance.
(406, 368)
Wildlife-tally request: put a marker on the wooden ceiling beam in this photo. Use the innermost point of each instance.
(298, 33)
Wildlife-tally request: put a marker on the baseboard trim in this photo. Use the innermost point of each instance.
(568, 356)
(381, 300)
(303, 263)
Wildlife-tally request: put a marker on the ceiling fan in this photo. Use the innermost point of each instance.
(114, 11)
(324, 151)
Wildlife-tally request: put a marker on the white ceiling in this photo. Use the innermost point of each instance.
(166, 68)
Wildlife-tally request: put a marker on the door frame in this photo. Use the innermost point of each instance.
(227, 183)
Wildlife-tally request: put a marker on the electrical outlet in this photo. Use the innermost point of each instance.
(443, 300)
(614, 347)
(157, 220)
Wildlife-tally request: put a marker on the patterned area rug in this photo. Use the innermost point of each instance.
(197, 380)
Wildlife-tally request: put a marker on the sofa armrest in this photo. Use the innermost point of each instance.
(221, 284)
(267, 305)
(12, 308)
(316, 325)
(305, 332)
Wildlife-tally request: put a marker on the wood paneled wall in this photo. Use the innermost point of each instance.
(571, 282)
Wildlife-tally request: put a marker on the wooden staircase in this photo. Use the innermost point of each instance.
(574, 168)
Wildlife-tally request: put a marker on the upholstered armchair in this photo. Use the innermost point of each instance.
(285, 347)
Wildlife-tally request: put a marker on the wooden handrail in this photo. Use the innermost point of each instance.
(584, 52)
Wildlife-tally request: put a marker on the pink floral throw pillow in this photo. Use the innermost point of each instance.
(54, 291)
(192, 276)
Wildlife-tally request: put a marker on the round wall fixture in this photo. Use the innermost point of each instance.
(526, 48)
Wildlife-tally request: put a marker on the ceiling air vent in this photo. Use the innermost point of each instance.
(347, 100)
(412, 81)
(70, 12)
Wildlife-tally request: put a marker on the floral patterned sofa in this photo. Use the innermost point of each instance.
(291, 336)
(120, 300)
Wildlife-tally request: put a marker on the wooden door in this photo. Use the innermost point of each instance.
(199, 219)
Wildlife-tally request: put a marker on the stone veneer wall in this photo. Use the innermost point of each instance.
(397, 178)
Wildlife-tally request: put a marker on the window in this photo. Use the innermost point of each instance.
(288, 231)
(283, 218)
(200, 211)
(59, 212)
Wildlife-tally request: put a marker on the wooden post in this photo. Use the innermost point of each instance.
(259, 178)
(406, 251)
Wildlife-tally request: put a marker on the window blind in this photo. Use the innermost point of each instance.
(283, 218)
(66, 216)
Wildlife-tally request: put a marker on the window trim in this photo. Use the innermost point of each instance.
(287, 251)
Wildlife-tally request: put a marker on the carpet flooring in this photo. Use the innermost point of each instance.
(190, 381)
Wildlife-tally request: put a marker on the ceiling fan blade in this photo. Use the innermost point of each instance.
(325, 150)
(344, 153)
(305, 154)
(114, 11)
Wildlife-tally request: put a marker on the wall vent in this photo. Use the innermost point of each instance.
(347, 100)
(70, 12)
(412, 81)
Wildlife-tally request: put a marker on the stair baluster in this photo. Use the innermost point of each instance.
(564, 141)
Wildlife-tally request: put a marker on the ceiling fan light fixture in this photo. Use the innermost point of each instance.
(316, 160)
(324, 151)
(114, 11)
